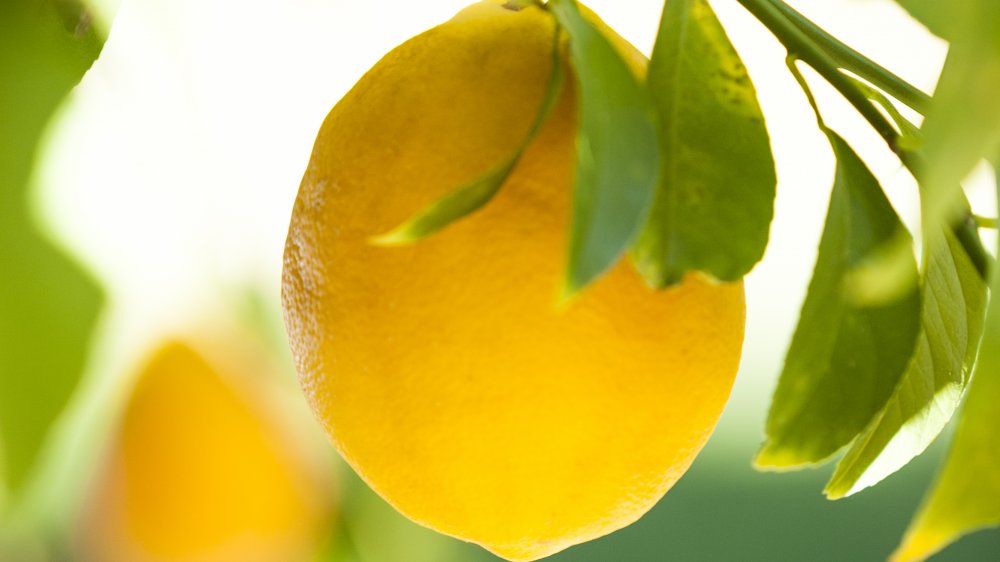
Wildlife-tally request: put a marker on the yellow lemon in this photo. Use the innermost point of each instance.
(198, 472)
(442, 371)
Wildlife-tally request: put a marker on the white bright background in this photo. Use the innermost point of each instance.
(173, 168)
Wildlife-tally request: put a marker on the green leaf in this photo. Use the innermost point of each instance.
(617, 152)
(887, 272)
(715, 198)
(966, 496)
(48, 305)
(936, 15)
(477, 193)
(962, 125)
(885, 275)
(954, 299)
(448, 209)
(845, 357)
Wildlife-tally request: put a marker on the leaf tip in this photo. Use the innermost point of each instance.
(921, 542)
(569, 292)
(837, 488)
(775, 457)
(905, 553)
(579, 275)
(769, 458)
(393, 239)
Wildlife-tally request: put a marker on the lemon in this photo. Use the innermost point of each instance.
(199, 472)
(442, 371)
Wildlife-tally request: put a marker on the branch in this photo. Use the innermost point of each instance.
(803, 47)
(855, 62)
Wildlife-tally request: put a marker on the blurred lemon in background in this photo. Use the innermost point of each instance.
(199, 471)
(442, 371)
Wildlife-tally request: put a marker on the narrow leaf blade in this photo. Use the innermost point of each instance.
(846, 356)
(715, 197)
(477, 193)
(450, 208)
(954, 299)
(617, 151)
(966, 496)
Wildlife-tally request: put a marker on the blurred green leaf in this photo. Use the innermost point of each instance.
(885, 275)
(715, 198)
(617, 153)
(954, 300)
(478, 192)
(845, 358)
(966, 496)
(935, 15)
(48, 304)
(962, 124)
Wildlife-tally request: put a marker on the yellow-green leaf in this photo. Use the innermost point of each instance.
(937, 16)
(962, 124)
(715, 198)
(966, 496)
(48, 304)
(954, 299)
(845, 357)
(617, 151)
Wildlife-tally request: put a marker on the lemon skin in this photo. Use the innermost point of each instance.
(442, 371)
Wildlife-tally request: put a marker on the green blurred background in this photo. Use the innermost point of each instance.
(158, 194)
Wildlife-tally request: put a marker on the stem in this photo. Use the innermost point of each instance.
(790, 62)
(855, 62)
(802, 46)
(967, 232)
(986, 222)
(905, 127)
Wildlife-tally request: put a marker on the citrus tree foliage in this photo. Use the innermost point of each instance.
(48, 304)
(817, 410)
(884, 352)
(674, 173)
(701, 89)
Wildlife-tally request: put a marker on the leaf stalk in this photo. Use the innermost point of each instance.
(803, 47)
(853, 61)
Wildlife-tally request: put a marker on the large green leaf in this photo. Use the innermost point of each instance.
(966, 496)
(617, 158)
(48, 305)
(887, 272)
(715, 197)
(846, 356)
(477, 193)
(962, 125)
(954, 299)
